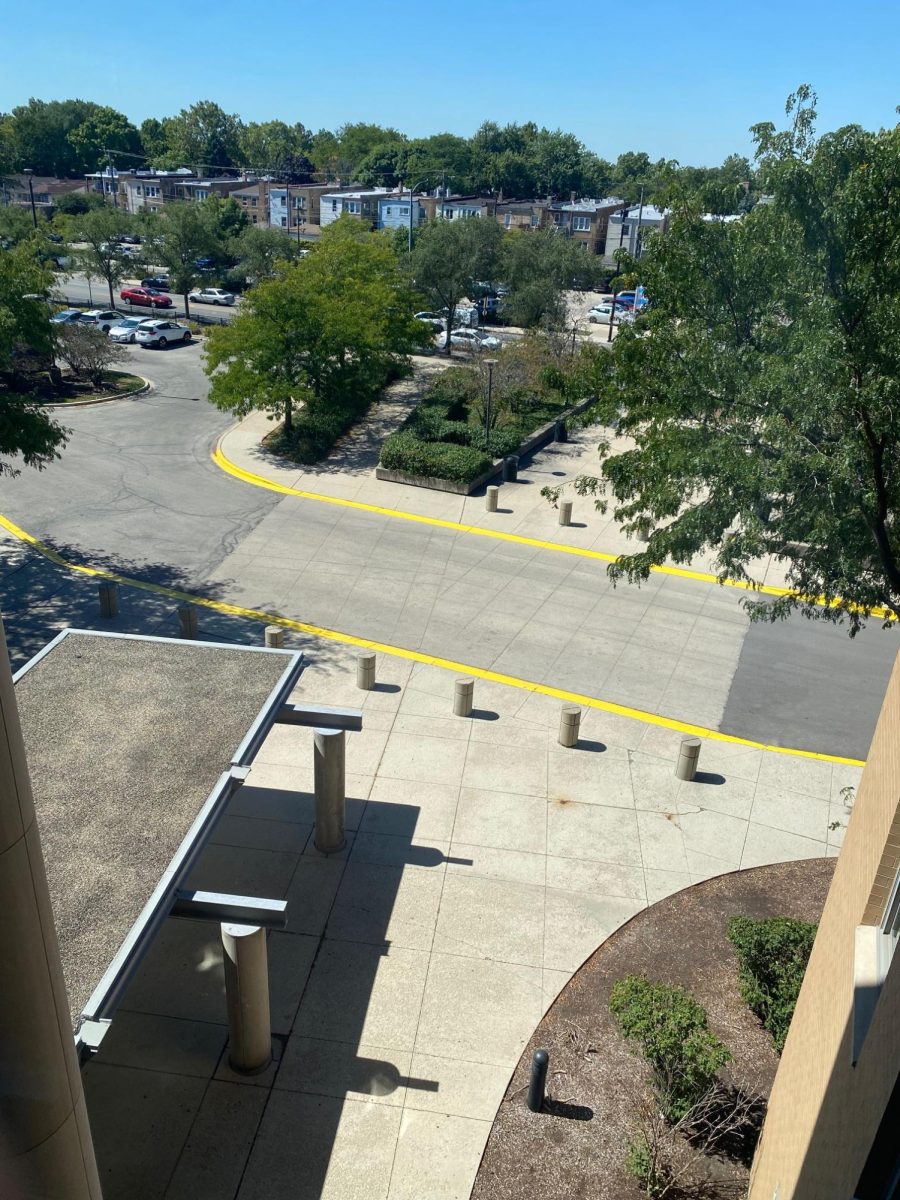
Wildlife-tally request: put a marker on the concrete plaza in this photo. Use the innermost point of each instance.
(483, 864)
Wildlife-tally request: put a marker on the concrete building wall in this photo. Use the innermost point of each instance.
(824, 1110)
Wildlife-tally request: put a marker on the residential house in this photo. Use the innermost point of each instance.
(585, 221)
(522, 214)
(47, 189)
(394, 211)
(831, 1128)
(362, 205)
(254, 200)
(627, 227)
(305, 204)
(149, 191)
(458, 208)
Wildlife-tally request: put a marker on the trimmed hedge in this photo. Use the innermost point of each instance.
(772, 955)
(672, 1031)
(441, 460)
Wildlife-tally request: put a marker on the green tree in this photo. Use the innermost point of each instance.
(204, 136)
(102, 255)
(178, 236)
(540, 267)
(320, 332)
(265, 144)
(259, 251)
(76, 204)
(155, 140)
(26, 340)
(762, 390)
(105, 129)
(16, 225)
(40, 133)
(450, 257)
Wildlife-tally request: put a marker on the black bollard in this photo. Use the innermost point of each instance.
(510, 469)
(562, 433)
(539, 1063)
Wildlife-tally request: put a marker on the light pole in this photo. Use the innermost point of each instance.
(29, 172)
(490, 363)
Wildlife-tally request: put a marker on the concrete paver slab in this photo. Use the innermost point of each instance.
(437, 1156)
(359, 1071)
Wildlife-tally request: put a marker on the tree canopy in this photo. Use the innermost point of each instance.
(761, 392)
(450, 257)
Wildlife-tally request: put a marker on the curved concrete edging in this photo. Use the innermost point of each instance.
(146, 386)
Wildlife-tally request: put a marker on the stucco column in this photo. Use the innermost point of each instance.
(45, 1140)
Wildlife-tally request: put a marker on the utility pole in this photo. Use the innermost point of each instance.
(29, 171)
(113, 182)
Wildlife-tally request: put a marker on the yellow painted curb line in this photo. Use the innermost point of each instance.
(225, 464)
(541, 689)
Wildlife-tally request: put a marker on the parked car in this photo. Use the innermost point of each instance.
(469, 339)
(126, 327)
(66, 316)
(145, 296)
(602, 314)
(158, 283)
(161, 333)
(435, 320)
(205, 264)
(131, 239)
(212, 296)
(100, 318)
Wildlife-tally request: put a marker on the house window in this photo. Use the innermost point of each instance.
(404, 210)
(284, 222)
(202, 194)
(387, 211)
(535, 221)
(139, 190)
(254, 218)
(334, 206)
(582, 223)
(151, 191)
(626, 230)
(352, 206)
(557, 218)
(253, 202)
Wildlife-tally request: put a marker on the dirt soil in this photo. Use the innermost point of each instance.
(579, 1150)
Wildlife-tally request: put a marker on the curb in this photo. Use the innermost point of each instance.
(146, 386)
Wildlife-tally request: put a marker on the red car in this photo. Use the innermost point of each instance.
(138, 295)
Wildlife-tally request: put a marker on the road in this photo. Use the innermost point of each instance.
(135, 490)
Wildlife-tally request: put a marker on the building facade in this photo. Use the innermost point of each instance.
(361, 205)
(47, 190)
(296, 207)
(628, 227)
(831, 1132)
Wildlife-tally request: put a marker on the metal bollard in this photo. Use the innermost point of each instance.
(688, 757)
(188, 618)
(562, 432)
(247, 997)
(329, 785)
(463, 697)
(569, 725)
(538, 1082)
(490, 499)
(643, 532)
(565, 512)
(365, 671)
(510, 469)
(274, 637)
(109, 599)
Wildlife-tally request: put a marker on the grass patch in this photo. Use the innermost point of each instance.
(772, 955)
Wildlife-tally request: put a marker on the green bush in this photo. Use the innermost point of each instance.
(772, 954)
(453, 390)
(315, 430)
(459, 464)
(672, 1031)
(641, 1163)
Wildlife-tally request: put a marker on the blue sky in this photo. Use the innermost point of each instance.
(681, 80)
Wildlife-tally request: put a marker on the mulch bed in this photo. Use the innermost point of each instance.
(579, 1150)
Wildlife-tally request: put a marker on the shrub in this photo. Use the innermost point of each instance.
(772, 954)
(315, 430)
(453, 390)
(672, 1031)
(459, 464)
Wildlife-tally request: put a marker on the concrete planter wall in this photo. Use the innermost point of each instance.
(540, 437)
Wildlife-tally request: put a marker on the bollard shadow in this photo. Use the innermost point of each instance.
(569, 1112)
(484, 714)
(711, 777)
(386, 687)
(378, 1077)
(592, 747)
(504, 510)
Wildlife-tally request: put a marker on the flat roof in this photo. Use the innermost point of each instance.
(134, 745)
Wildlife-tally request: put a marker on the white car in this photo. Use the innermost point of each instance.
(126, 327)
(468, 339)
(601, 314)
(100, 318)
(435, 320)
(212, 296)
(161, 333)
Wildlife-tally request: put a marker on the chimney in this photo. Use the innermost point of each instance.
(571, 197)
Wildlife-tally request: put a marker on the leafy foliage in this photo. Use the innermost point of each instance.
(438, 460)
(772, 954)
(449, 257)
(672, 1031)
(326, 333)
(103, 257)
(761, 389)
(539, 268)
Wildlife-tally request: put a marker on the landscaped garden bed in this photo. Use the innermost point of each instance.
(454, 440)
(682, 999)
(71, 389)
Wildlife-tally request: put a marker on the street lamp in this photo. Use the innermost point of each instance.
(29, 172)
(490, 363)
